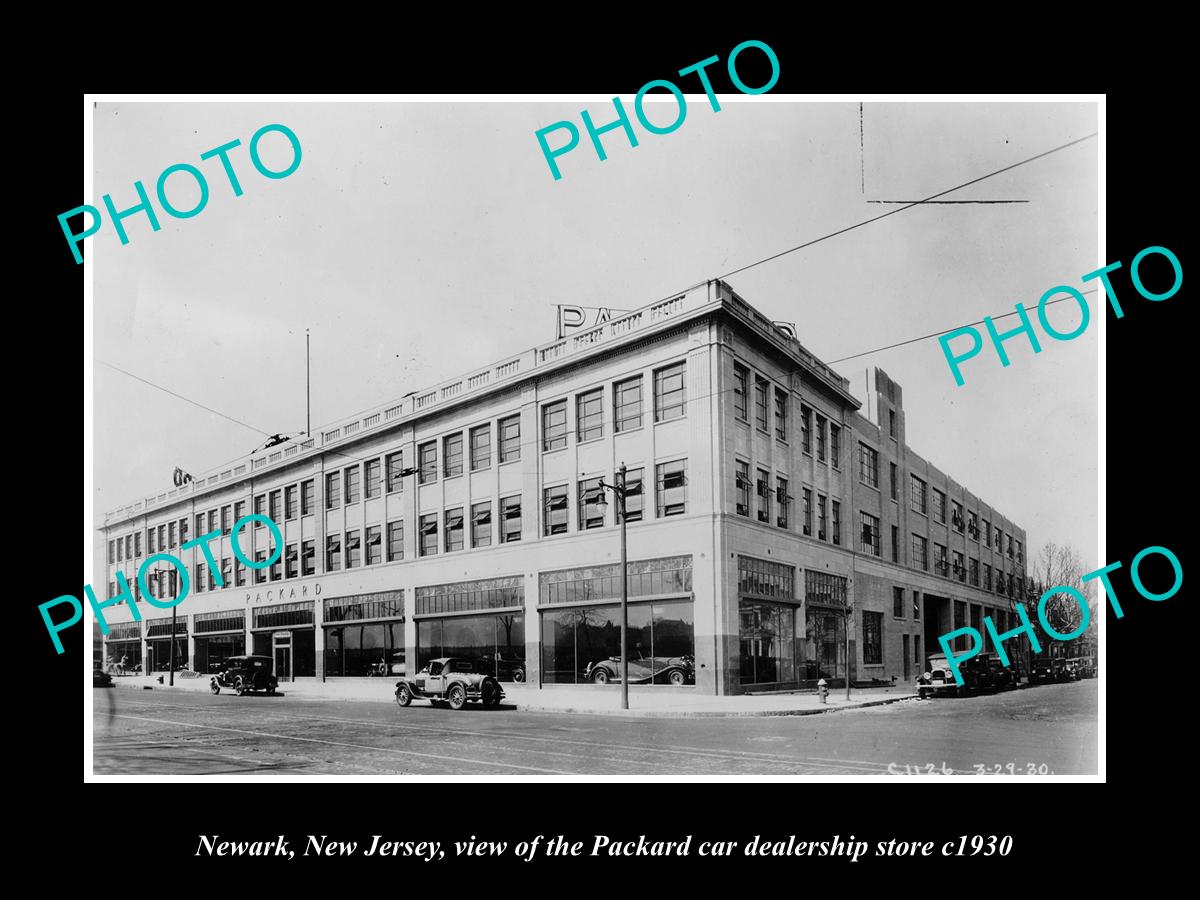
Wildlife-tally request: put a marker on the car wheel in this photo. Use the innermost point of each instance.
(600, 676)
(403, 695)
(519, 675)
(214, 687)
(271, 691)
(676, 677)
(239, 687)
(456, 696)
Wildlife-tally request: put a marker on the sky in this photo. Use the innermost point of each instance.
(419, 240)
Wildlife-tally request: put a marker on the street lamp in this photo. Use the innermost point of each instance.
(619, 492)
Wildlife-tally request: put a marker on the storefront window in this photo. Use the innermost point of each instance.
(660, 638)
(211, 652)
(359, 649)
(160, 654)
(496, 641)
(767, 635)
(123, 657)
(824, 645)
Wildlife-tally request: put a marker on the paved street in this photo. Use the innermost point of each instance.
(182, 733)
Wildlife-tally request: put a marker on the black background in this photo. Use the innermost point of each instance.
(134, 830)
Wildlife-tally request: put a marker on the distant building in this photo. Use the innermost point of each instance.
(761, 503)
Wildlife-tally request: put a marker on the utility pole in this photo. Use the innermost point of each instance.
(619, 492)
(174, 581)
(307, 388)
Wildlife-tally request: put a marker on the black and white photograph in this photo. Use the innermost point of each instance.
(698, 434)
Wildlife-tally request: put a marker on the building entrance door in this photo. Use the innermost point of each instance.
(281, 644)
(907, 658)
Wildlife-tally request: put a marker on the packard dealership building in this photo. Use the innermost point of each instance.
(765, 515)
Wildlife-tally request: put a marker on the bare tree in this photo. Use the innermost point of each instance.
(1060, 565)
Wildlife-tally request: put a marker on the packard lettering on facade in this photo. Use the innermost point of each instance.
(766, 514)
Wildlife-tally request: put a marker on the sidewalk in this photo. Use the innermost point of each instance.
(587, 700)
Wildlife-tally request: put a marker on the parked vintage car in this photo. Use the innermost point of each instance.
(1045, 669)
(100, 678)
(453, 680)
(644, 669)
(1001, 677)
(1086, 668)
(245, 674)
(938, 680)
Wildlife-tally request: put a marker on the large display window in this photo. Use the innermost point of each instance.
(212, 651)
(365, 649)
(123, 657)
(767, 638)
(581, 645)
(496, 640)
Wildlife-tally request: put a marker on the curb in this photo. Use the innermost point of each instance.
(585, 711)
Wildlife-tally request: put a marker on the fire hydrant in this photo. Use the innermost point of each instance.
(822, 690)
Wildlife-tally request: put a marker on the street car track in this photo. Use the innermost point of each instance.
(659, 749)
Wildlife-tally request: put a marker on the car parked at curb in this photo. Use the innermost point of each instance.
(451, 680)
(938, 680)
(245, 675)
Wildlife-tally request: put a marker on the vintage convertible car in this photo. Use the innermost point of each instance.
(453, 680)
(644, 670)
(245, 674)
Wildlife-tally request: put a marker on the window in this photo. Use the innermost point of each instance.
(836, 509)
(806, 415)
(868, 466)
(137, 542)
(260, 574)
(806, 510)
(510, 519)
(987, 577)
(481, 524)
(454, 529)
(212, 513)
(333, 490)
(452, 455)
(920, 553)
(959, 569)
(554, 425)
(821, 438)
(554, 512)
(183, 533)
(307, 490)
(973, 572)
(333, 552)
(150, 533)
(239, 509)
(634, 496)
(917, 615)
(274, 507)
(129, 546)
(120, 549)
(741, 381)
(940, 561)
(760, 403)
(589, 415)
(898, 602)
(872, 638)
(918, 495)
(289, 504)
(308, 558)
(822, 530)
(835, 445)
(781, 414)
(987, 533)
(239, 573)
(1020, 553)
(395, 465)
(869, 534)
(1010, 546)
(111, 557)
(939, 506)
(894, 489)
(784, 501)
(589, 504)
(627, 404)
(374, 539)
(509, 437)
(741, 479)
(201, 576)
(973, 525)
(427, 463)
(395, 534)
(891, 423)
(999, 535)
(671, 479)
(481, 447)
(670, 395)
(260, 509)
(763, 489)
(353, 476)
(291, 560)
(896, 544)
(371, 470)
(429, 534)
(956, 517)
